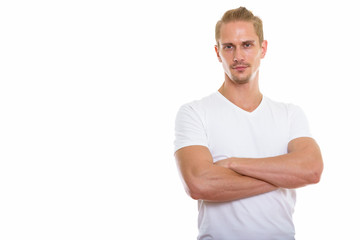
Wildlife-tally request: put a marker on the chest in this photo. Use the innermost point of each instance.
(239, 134)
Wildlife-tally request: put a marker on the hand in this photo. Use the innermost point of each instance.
(224, 163)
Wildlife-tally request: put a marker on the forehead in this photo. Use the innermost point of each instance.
(237, 31)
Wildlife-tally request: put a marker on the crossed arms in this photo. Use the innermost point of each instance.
(237, 178)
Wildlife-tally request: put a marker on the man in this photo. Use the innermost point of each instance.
(240, 154)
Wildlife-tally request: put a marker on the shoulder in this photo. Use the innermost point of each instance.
(199, 106)
(287, 108)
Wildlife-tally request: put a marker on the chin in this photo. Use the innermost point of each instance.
(240, 82)
(237, 80)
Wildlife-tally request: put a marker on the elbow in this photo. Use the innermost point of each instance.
(308, 177)
(194, 195)
(196, 190)
(315, 173)
(314, 166)
(192, 191)
(314, 178)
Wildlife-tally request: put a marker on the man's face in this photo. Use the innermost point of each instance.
(239, 51)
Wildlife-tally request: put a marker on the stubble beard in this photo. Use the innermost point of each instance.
(240, 79)
(244, 79)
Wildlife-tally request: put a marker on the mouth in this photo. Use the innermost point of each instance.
(240, 68)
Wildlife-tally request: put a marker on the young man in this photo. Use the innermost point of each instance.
(240, 154)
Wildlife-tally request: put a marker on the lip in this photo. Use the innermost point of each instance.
(240, 67)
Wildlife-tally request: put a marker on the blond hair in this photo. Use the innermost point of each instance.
(240, 14)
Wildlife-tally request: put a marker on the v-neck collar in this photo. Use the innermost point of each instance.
(257, 109)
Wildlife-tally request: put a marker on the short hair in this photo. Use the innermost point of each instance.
(240, 14)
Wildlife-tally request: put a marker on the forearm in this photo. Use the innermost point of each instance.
(282, 171)
(302, 165)
(221, 185)
(286, 171)
(205, 180)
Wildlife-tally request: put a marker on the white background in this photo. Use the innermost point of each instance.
(88, 95)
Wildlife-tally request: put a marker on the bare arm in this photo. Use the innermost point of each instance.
(302, 165)
(204, 180)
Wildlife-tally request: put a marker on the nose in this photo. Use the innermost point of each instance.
(238, 55)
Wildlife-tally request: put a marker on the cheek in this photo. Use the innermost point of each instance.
(251, 54)
(225, 65)
(224, 59)
(254, 57)
(259, 55)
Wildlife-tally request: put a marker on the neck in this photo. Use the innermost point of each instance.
(246, 96)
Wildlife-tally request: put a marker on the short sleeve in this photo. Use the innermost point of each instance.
(299, 126)
(189, 128)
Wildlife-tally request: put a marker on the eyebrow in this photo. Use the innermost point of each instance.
(242, 42)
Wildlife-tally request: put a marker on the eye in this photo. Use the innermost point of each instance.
(247, 45)
(228, 47)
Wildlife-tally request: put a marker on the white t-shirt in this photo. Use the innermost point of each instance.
(228, 131)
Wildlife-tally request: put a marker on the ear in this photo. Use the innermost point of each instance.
(218, 53)
(264, 48)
